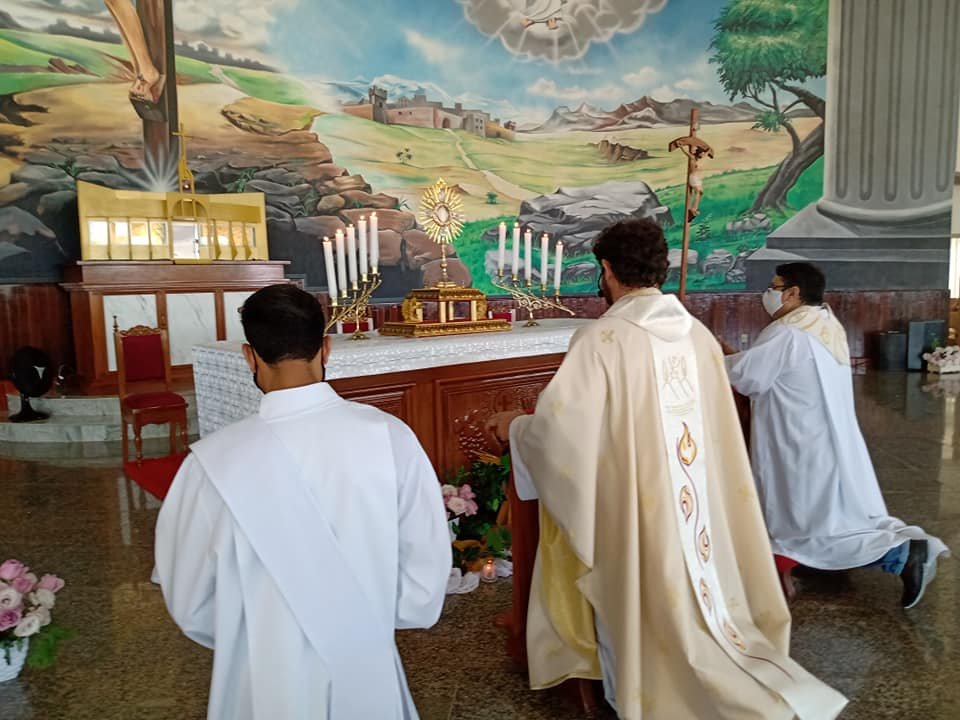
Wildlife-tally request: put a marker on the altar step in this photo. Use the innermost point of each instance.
(84, 419)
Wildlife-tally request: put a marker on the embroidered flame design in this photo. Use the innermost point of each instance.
(686, 447)
(733, 636)
(703, 544)
(686, 502)
(705, 595)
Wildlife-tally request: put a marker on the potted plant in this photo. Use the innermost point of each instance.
(27, 633)
(475, 499)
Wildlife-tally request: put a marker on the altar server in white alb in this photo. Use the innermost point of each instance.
(817, 485)
(295, 542)
(653, 569)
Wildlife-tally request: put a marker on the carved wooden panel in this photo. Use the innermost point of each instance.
(464, 405)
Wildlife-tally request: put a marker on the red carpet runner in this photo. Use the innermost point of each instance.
(155, 474)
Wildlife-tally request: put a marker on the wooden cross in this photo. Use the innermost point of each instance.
(695, 149)
(159, 143)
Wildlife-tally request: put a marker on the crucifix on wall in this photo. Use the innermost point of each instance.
(695, 149)
(147, 32)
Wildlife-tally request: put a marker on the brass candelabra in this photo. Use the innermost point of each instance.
(527, 298)
(352, 304)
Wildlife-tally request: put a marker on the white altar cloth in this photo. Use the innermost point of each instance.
(225, 391)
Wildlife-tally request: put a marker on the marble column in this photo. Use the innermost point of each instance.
(893, 93)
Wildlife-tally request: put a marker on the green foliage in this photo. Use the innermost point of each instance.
(492, 198)
(758, 43)
(769, 121)
(238, 185)
(489, 483)
(45, 645)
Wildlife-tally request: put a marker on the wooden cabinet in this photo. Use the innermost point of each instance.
(447, 407)
(196, 303)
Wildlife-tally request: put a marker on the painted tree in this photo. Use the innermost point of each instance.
(765, 51)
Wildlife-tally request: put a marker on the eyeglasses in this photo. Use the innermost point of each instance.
(777, 287)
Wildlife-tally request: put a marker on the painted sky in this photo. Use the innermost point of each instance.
(607, 51)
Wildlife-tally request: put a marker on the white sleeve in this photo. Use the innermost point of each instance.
(425, 555)
(754, 371)
(185, 565)
(522, 480)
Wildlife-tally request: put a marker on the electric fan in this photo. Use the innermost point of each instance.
(32, 375)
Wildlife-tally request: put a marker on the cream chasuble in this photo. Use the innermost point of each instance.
(653, 531)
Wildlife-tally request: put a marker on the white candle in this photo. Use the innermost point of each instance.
(352, 254)
(515, 268)
(363, 247)
(528, 255)
(328, 263)
(502, 254)
(558, 268)
(544, 259)
(374, 244)
(341, 263)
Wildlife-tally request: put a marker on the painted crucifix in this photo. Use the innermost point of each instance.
(695, 149)
(147, 31)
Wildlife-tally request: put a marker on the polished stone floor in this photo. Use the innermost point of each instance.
(79, 517)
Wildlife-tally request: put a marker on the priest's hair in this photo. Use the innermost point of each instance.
(807, 277)
(636, 251)
(283, 322)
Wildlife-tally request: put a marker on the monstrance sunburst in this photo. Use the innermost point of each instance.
(441, 213)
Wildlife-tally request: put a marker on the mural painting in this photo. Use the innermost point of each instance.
(556, 114)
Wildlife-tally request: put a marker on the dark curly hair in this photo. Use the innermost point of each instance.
(636, 251)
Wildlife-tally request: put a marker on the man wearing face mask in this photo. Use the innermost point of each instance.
(295, 542)
(817, 486)
(653, 570)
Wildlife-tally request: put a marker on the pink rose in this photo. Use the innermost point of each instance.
(9, 619)
(466, 492)
(457, 505)
(25, 583)
(472, 508)
(51, 583)
(12, 569)
(10, 599)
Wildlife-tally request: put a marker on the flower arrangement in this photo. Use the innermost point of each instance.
(943, 360)
(475, 501)
(25, 620)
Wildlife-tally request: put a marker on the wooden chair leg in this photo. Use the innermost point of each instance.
(125, 440)
(138, 441)
(183, 433)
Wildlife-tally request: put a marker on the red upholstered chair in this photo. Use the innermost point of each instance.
(143, 377)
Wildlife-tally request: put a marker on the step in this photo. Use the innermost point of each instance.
(81, 429)
(80, 454)
(87, 406)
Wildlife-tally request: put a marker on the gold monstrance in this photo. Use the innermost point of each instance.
(441, 214)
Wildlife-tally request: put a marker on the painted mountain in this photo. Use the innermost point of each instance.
(644, 113)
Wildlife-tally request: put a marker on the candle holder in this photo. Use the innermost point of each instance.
(488, 572)
(353, 304)
(527, 298)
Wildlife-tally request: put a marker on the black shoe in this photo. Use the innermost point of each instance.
(913, 575)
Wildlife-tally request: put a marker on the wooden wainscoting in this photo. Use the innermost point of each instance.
(37, 315)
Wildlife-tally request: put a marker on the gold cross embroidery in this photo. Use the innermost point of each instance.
(606, 336)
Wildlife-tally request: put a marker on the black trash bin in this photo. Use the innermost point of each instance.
(890, 350)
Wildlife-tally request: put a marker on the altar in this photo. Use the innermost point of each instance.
(444, 388)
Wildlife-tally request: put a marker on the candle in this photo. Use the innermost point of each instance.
(488, 573)
(528, 255)
(341, 263)
(374, 244)
(501, 257)
(352, 254)
(544, 259)
(331, 277)
(515, 268)
(363, 248)
(558, 268)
